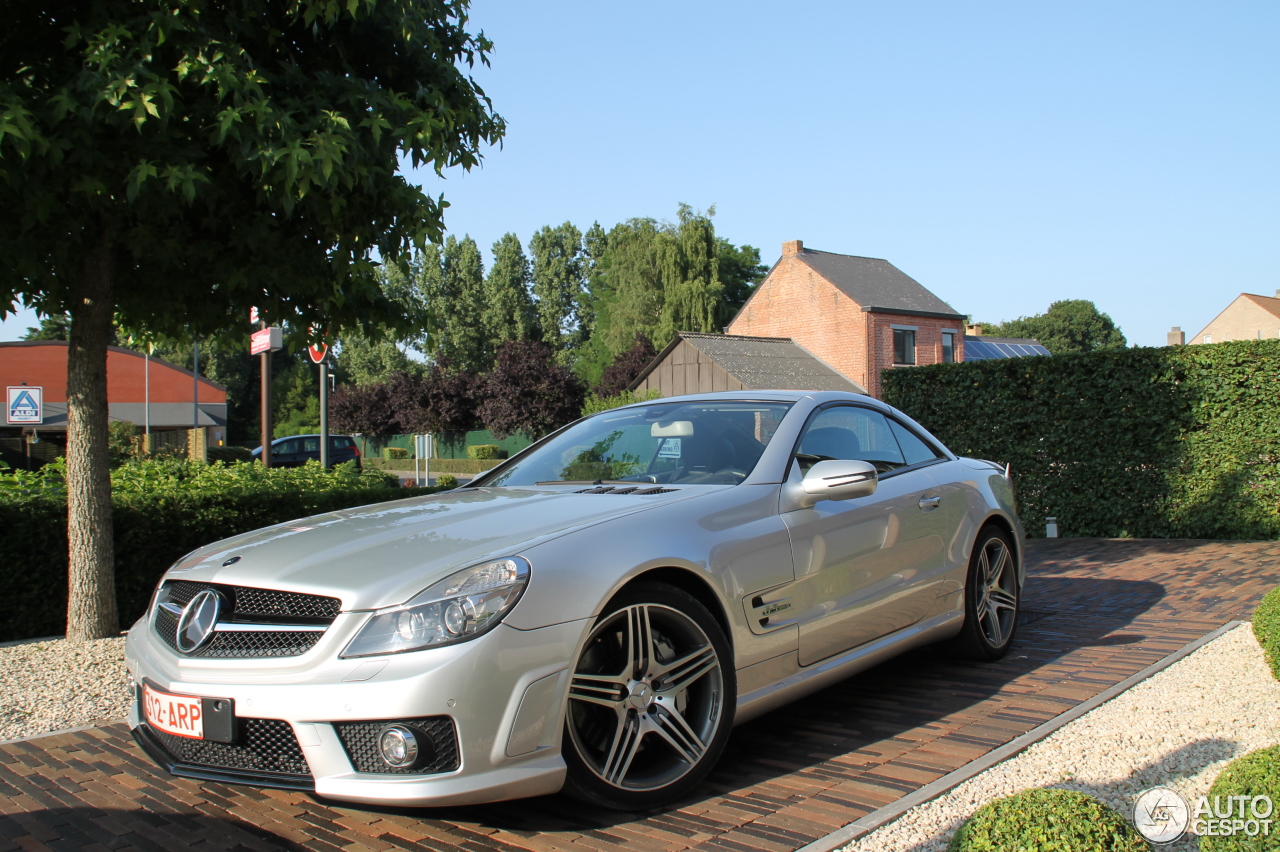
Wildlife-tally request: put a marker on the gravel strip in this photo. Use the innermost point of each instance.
(53, 685)
(1178, 728)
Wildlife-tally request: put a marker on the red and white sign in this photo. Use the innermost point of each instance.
(253, 315)
(317, 351)
(266, 340)
(179, 715)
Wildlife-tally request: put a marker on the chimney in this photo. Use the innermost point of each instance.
(791, 248)
(1278, 294)
(973, 330)
(1177, 337)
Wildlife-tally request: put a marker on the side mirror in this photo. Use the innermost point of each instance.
(839, 479)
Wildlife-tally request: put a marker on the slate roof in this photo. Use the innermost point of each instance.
(983, 348)
(874, 283)
(761, 363)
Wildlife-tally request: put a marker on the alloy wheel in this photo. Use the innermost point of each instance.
(997, 608)
(646, 699)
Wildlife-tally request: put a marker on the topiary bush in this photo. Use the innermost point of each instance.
(395, 453)
(229, 454)
(446, 480)
(481, 452)
(1047, 820)
(1254, 774)
(1266, 626)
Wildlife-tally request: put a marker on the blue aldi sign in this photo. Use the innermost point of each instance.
(25, 406)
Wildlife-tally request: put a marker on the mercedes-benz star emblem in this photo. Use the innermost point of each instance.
(196, 624)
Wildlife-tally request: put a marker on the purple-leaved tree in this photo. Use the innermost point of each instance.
(527, 391)
(619, 375)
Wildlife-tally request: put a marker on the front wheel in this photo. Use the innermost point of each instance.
(992, 597)
(651, 701)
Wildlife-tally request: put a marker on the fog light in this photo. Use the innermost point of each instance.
(399, 746)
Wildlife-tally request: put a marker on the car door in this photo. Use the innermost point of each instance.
(868, 566)
(310, 450)
(285, 453)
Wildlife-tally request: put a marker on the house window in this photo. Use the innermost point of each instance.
(1208, 338)
(904, 346)
(948, 347)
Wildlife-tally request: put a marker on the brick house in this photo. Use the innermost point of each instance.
(1248, 317)
(861, 315)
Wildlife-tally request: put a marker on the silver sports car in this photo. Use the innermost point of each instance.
(594, 614)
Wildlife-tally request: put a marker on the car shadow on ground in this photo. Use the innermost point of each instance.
(920, 688)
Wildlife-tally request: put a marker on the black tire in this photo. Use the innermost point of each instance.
(648, 719)
(992, 598)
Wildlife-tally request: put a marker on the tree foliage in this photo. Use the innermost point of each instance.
(654, 279)
(508, 309)
(363, 409)
(740, 271)
(1072, 325)
(216, 159)
(453, 281)
(442, 401)
(559, 282)
(527, 391)
(619, 375)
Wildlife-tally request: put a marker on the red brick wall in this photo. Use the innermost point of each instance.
(796, 302)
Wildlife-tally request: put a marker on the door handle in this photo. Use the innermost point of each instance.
(928, 504)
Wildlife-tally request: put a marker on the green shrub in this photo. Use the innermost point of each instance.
(1254, 774)
(446, 480)
(395, 453)
(229, 454)
(595, 404)
(1179, 442)
(1266, 626)
(484, 452)
(122, 440)
(1047, 820)
(162, 510)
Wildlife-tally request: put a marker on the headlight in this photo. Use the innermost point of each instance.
(456, 609)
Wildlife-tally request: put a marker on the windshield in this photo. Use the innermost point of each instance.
(709, 443)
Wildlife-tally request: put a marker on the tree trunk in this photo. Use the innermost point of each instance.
(91, 586)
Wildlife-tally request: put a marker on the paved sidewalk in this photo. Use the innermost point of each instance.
(1095, 612)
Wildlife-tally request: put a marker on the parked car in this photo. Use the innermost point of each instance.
(297, 450)
(594, 614)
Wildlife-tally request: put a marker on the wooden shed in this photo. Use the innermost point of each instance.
(705, 363)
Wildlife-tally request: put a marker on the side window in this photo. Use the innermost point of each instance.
(914, 450)
(311, 445)
(341, 443)
(286, 448)
(850, 432)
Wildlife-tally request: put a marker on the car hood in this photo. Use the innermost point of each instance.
(384, 554)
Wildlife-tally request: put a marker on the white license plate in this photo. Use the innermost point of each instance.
(179, 715)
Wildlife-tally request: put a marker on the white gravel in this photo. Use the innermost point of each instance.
(1178, 728)
(53, 685)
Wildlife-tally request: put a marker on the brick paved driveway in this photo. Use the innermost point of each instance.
(1096, 612)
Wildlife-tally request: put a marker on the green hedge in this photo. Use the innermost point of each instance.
(437, 465)
(162, 510)
(1180, 442)
(1266, 626)
(1047, 820)
(484, 452)
(395, 453)
(1254, 774)
(229, 454)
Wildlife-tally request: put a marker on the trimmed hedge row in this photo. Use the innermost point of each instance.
(1266, 626)
(437, 465)
(1178, 442)
(1251, 775)
(155, 526)
(1047, 820)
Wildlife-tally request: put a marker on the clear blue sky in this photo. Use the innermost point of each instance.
(1006, 155)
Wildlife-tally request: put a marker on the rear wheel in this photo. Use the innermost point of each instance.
(651, 701)
(992, 597)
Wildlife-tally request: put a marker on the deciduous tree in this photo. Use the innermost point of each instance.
(527, 391)
(508, 312)
(619, 375)
(175, 162)
(1072, 325)
(559, 281)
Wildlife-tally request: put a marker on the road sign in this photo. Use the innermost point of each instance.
(422, 446)
(317, 351)
(25, 405)
(266, 340)
(253, 315)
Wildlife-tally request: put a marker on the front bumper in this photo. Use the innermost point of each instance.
(504, 692)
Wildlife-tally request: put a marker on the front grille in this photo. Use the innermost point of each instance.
(259, 643)
(264, 745)
(252, 605)
(360, 739)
